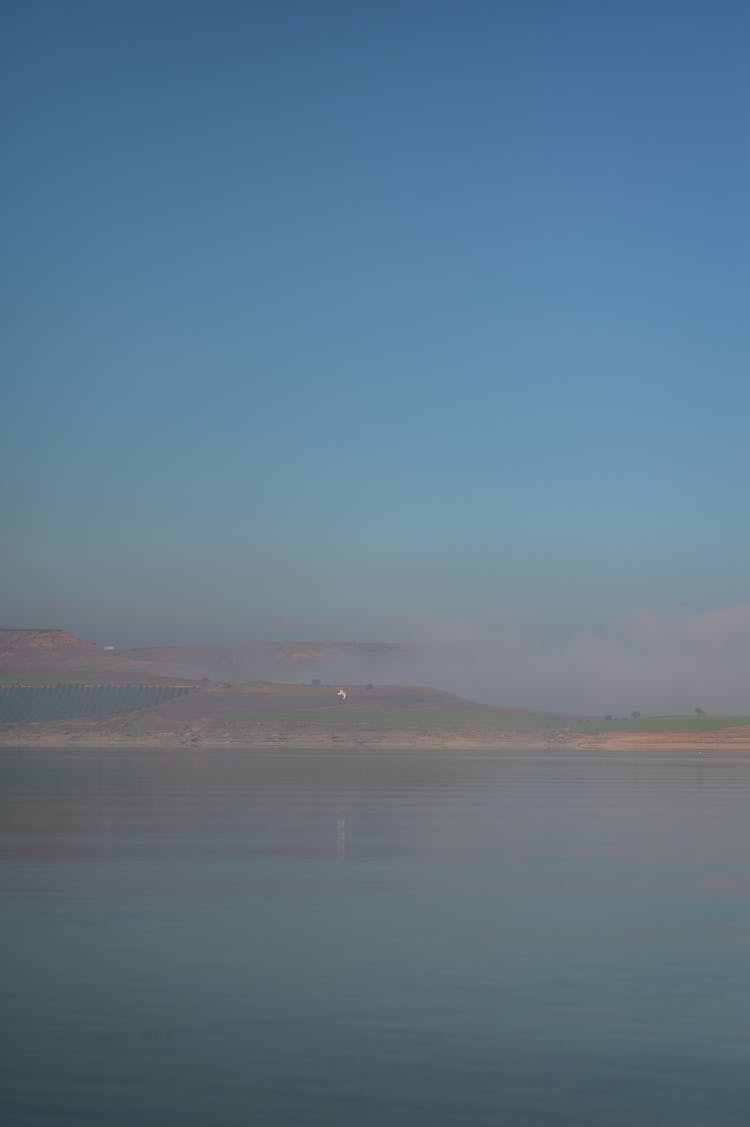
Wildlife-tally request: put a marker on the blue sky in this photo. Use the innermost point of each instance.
(322, 319)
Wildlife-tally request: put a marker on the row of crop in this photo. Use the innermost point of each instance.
(67, 688)
(19, 703)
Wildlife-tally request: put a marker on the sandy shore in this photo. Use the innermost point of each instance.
(267, 735)
(737, 739)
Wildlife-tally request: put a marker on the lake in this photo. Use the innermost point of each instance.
(234, 938)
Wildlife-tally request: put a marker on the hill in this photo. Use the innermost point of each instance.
(58, 690)
(267, 715)
(57, 652)
(34, 650)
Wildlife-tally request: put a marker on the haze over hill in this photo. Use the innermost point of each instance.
(56, 698)
(656, 664)
(58, 651)
(58, 690)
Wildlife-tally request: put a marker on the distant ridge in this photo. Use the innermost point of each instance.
(50, 650)
(271, 661)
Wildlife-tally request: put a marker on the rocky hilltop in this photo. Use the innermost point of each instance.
(31, 650)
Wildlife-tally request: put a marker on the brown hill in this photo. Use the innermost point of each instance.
(317, 702)
(294, 716)
(40, 649)
(55, 651)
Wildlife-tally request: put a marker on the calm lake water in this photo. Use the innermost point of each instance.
(221, 938)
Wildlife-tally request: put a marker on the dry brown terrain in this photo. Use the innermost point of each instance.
(55, 651)
(41, 649)
(737, 739)
(306, 716)
(284, 715)
(288, 714)
(255, 713)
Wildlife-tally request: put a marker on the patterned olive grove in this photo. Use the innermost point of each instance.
(21, 703)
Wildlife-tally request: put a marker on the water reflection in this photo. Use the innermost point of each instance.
(530, 939)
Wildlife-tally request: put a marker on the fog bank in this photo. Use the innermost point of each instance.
(657, 663)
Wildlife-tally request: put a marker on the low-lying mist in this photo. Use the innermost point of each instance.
(656, 663)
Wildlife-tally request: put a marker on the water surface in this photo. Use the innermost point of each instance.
(340, 938)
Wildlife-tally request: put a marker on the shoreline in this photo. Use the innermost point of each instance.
(277, 739)
(270, 737)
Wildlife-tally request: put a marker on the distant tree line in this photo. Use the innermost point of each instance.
(61, 701)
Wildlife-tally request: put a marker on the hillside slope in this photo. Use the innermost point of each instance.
(303, 716)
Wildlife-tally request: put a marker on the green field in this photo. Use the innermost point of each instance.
(408, 718)
(413, 718)
(64, 700)
(686, 724)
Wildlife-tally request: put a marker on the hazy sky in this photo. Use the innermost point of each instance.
(325, 319)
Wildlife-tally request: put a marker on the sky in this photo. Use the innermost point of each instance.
(382, 321)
